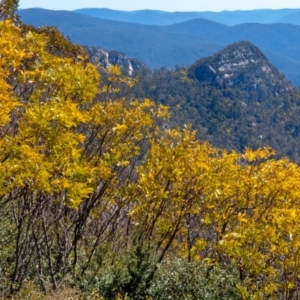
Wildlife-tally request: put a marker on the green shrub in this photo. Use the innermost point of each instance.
(180, 279)
(128, 276)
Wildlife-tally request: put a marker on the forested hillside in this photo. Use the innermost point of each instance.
(102, 198)
(234, 99)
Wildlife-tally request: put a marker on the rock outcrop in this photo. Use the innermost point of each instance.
(106, 58)
(241, 65)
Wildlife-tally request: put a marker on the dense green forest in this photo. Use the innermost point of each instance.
(230, 117)
(103, 197)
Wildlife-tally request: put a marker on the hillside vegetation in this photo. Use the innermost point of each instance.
(234, 99)
(100, 199)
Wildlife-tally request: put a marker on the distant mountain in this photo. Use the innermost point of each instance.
(146, 17)
(198, 27)
(292, 18)
(154, 17)
(156, 46)
(241, 66)
(177, 44)
(262, 16)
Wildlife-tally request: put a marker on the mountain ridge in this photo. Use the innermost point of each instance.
(293, 18)
(154, 17)
(178, 44)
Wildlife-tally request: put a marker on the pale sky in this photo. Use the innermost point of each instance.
(167, 5)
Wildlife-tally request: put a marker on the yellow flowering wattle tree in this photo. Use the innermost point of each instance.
(65, 156)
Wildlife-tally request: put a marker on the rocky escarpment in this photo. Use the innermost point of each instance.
(243, 66)
(106, 58)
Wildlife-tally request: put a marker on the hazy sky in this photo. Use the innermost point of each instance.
(168, 5)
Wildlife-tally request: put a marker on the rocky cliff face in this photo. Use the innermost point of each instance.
(241, 65)
(106, 58)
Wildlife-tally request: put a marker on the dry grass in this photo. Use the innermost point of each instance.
(31, 292)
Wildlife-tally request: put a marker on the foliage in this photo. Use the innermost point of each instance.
(128, 275)
(227, 117)
(99, 195)
(8, 9)
(179, 279)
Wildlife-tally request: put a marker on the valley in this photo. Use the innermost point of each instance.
(178, 44)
